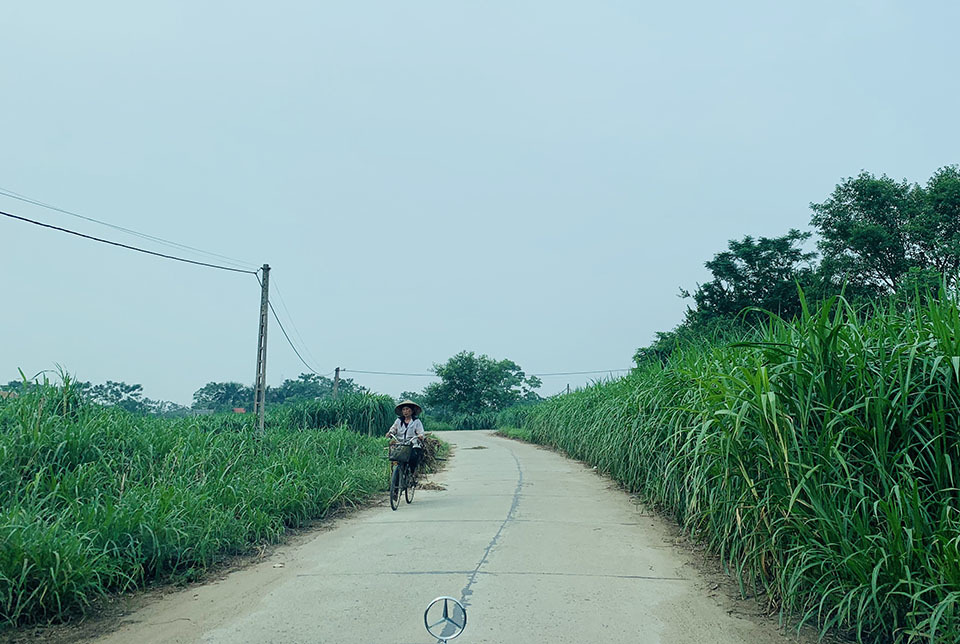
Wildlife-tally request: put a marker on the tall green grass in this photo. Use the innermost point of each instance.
(370, 414)
(514, 417)
(95, 500)
(820, 459)
(441, 420)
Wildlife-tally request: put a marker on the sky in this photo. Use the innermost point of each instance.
(528, 180)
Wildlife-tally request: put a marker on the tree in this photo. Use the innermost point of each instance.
(164, 408)
(864, 230)
(15, 386)
(876, 232)
(310, 386)
(473, 384)
(222, 396)
(935, 230)
(307, 386)
(116, 394)
(761, 272)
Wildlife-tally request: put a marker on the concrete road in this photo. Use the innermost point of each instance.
(538, 547)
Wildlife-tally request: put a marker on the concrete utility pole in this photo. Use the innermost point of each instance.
(260, 388)
(336, 382)
(568, 387)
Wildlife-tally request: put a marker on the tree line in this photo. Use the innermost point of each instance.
(225, 396)
(875, 237)
(110, 393)
(475, 384)
(214, 396)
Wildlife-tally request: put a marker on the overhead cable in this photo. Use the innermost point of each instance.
(280, 324)
(296, 331)
(14, 195)
(539, 375)
(128, 247)
(290, 342)
(389, 373)
(578, 373)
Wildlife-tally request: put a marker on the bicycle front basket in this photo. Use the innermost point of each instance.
(401, 453)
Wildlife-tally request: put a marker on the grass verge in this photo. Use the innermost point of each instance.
(518, 433)
(820, 460)
(95, 501)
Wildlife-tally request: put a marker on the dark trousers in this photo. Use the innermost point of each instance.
(415, 457)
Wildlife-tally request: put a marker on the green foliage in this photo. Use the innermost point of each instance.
(761, 272)
(935, 231)
(518, 433)
(820, 459)
(479, 420)
(415, 396)
(514, 416)
(15, 386)
(874, 230)
(223, 396)
(369, 414)
(110, 393)
(310, 386)
(877, 236)
(94, 500)
(433, 424)
(471, 384)
(117, 394)
(707, 331)
(442, 420)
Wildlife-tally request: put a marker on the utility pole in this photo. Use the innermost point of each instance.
(336, 382)
(568, 387)
(260, 388)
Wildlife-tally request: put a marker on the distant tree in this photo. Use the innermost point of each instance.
(472, 384)
(348, 386)
(762, 272)
(307, 386)
(110, 393)
(863, 228)
(877, 236)
(935, 230)
(14, 385)
(116, 394)
(223, 396)
(310, 386)
(874, 231)
(164, 408)
(415, 396)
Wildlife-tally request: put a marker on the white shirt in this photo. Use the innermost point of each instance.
(413, 430)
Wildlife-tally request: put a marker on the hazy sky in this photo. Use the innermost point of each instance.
(529, 180)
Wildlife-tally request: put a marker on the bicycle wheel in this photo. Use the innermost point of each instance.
(395, 487)
(409, 484)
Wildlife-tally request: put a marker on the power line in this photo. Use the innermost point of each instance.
(539, 375)
(280, 324)
(290, 342)
(578, 373)
(14, 195)
(296, 331)
(113, 243)
(389, 373)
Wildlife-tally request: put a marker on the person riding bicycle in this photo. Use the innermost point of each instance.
(408, 427)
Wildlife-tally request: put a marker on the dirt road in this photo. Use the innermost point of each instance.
(539, 548)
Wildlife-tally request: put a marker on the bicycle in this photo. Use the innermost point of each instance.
(402, 476)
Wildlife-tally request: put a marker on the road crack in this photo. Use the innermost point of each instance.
(467, 591)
